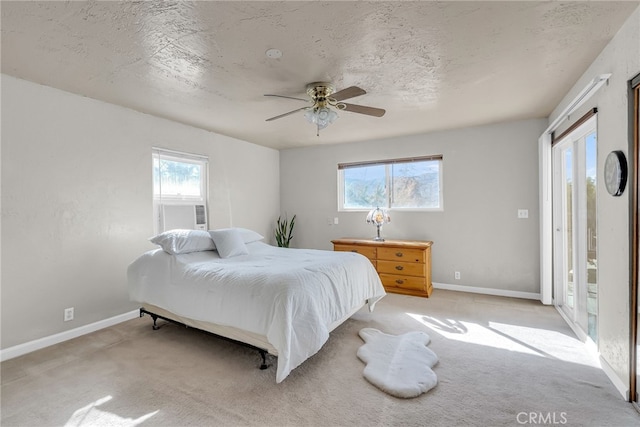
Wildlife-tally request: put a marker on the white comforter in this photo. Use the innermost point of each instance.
(291, 296)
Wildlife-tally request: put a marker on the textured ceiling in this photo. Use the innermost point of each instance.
(431, 65)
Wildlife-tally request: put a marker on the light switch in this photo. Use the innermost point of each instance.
(335, 221)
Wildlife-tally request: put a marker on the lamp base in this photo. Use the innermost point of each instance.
(378, 238)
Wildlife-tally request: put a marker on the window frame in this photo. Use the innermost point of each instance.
(388, 182)
(158, 201)
(177, 156)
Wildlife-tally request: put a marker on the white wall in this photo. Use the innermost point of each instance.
(77, 208)
(489, 172)
(621, 57)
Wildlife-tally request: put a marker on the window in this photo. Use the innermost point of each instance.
(411, 184)
(179, 190)
(179, 176)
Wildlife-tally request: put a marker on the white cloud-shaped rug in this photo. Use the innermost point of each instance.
(398, 364)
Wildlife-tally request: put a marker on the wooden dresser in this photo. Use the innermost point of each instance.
(404, 266)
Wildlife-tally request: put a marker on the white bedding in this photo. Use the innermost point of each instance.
(291, 296)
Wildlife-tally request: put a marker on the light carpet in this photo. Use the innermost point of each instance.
(398, 364)
(501, 359)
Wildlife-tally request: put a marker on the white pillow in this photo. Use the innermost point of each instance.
(229, 242)
(248, 236)
(183, 241)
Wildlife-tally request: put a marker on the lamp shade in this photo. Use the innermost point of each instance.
(378, 217)
(321, 116)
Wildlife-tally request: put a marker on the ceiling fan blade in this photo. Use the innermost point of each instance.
(288, 97)
(286, 114)
(370, 111)
(350, 92)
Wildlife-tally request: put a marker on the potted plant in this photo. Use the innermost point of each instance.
(284, 231)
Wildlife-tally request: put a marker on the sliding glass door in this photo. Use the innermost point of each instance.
(574, 223)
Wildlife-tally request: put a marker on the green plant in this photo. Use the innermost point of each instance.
(284, 231)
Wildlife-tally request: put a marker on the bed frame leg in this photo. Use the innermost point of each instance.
(264, 360)
(153, 316)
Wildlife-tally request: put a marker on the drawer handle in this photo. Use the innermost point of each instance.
(399, 281)
(399, 267)
(354, 250)
(399, 254)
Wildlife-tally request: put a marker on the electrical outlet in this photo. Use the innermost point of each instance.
(523, 213)
(457, 275)
(335, 221)
(68, 314)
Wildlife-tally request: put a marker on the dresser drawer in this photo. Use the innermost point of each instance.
(401, 268)
(368, 251)
(402, 254)
(403, 282)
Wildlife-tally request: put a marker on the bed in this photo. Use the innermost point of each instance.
(280, 300)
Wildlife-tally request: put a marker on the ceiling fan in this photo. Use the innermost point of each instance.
(323, 96)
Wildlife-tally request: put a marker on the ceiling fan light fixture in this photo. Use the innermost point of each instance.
(310, 115)
(327, 115)
(321, 116)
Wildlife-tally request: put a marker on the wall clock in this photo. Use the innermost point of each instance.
(615, 172)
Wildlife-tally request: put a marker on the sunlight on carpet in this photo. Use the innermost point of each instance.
(521, 339)
(90, 415)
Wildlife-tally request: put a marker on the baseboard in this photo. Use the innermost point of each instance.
(582, 335)
(622, 388)
(487, 291)
(591, 347)
(28, 347)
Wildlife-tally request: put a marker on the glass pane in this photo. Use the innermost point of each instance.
(592, 254)
(416, 184)
(568, 227)
(175, 179)
(156, 177)
(364, 187)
